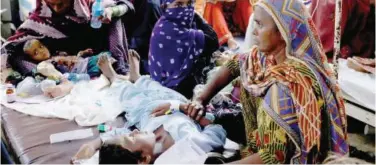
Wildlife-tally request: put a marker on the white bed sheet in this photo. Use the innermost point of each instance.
(87, 104)
(360, 86)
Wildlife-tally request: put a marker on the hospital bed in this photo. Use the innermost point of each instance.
(358, 90)
(28, 137)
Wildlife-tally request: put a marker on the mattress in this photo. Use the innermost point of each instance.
(28, 137)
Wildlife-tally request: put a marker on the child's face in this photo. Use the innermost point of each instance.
(143, 142)
(37, 51)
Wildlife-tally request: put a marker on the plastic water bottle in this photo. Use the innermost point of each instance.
(74, 77)
(96, 12)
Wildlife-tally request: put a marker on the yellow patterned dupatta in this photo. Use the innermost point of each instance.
(306, 74)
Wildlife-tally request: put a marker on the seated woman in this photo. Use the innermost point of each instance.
(357, 27)
(143, 102)
(179, 51)
(292, 109)
(219, 13)
(63, 25)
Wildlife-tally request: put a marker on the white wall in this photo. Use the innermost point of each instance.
(5, 17)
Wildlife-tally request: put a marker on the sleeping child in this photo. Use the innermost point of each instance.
(159, 115)
(38, 52)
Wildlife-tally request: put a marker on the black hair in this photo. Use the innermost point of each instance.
(115, 154)
(28, 43)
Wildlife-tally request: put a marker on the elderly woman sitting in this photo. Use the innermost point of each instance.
(293, 111)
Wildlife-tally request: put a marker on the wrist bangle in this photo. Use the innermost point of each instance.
(168, 112)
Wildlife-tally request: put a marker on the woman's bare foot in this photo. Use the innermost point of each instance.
(232, 44)
(106, 68)
(134, 65)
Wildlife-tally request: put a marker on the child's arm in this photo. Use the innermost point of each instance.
(86, 52)
(172, 107)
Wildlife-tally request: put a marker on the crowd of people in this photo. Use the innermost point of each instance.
(157, 51)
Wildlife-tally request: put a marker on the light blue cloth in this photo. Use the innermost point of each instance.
(140, 98)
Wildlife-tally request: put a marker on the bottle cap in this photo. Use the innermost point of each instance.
(100, 128)
(104, 128)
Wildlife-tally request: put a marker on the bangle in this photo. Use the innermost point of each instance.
(168, 112)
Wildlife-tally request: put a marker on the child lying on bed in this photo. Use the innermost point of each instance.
(53, 67)
(38, 52)
(157, 112)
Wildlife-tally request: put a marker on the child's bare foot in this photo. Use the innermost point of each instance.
(134, 65)
(60, 90)
(106, 68)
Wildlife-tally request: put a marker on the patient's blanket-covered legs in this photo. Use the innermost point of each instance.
(140, 98)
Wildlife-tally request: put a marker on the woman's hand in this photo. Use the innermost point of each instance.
(161, 110)
(221, 58)
(106, 16)
(196, 110)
